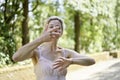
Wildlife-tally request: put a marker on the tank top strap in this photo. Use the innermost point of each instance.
(39, 49)
(63, 51)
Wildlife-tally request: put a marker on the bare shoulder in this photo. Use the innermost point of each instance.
(71, 53)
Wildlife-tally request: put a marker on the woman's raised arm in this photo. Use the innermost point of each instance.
(28, 50)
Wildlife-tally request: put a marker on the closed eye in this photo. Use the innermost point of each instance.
(51, 26)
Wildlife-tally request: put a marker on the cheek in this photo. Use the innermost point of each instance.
(61, 31)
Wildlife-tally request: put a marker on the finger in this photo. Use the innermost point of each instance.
(57, 63)
(56, 66)
(53, 29)
(54, 34)
(62, 58)
(60, 68)
(59, 60)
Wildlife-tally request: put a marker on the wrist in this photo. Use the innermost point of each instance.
(71, 61)
(40, 40)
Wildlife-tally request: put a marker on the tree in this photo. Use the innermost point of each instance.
(25, 29)
(9, 10)
(77, 30)
(116, 39)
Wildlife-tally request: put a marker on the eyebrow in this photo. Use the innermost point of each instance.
(55, 25)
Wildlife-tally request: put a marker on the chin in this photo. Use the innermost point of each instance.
(55, 39)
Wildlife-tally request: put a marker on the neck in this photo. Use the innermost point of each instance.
(52, 45)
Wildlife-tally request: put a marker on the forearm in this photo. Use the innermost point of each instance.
(24, 51)
(82, 61)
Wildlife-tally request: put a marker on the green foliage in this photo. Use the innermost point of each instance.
(7, 43)
(99, 31)
(44, 10)
(100, 20)
(9, 11)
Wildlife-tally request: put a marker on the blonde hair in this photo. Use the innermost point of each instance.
(55, 18)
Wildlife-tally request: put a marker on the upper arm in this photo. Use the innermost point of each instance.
(20, 56)
(73, 54)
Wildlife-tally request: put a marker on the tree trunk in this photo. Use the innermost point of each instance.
(117, 16)
(77, 31)
(25, 29)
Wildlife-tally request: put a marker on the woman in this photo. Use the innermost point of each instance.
(51, 61)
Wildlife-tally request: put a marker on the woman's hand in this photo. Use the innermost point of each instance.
(50, 34)
(61, 63)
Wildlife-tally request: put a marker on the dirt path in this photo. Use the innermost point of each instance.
(104, 70)
(108, 70)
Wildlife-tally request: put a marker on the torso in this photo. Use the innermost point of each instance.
(44, 71)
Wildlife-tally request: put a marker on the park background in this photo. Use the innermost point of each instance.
(91, 26)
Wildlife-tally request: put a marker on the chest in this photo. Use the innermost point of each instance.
(50, 55)
(45, 63)
(45, 67)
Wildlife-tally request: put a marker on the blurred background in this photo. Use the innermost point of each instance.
(91, 26)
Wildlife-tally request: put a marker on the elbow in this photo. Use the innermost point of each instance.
(91, 62)
(15, 58)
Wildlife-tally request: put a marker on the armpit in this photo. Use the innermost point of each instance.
(35, 59)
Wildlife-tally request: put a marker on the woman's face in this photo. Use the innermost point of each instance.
(53, 24)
